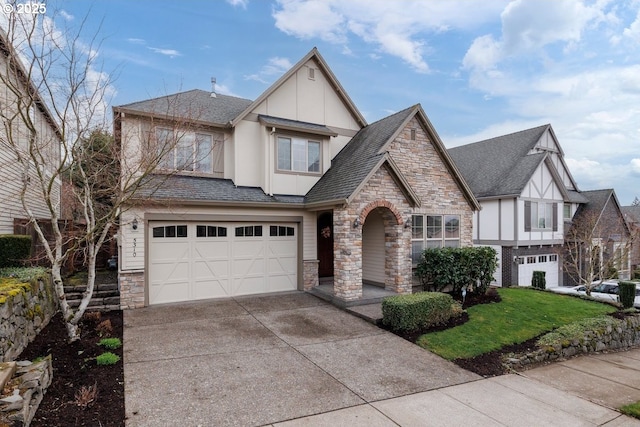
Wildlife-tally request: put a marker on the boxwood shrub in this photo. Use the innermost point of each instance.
(412, 312)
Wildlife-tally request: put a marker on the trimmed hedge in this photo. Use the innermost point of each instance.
(627, 293)
(413, 312)
(14, 250)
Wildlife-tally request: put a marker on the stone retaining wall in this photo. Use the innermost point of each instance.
(24, 315)
(25, 392)
(625, 335)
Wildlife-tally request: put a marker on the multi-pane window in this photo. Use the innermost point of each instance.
(433, 231)
(170, 231)
(540, 216)
(279, 230)
(298, 155)
(566, 211)
(210, 231)
(249, 231)
(187, 151)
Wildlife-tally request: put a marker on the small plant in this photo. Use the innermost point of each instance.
(104, 328)
(86, 396)
(92, 317)
(110, 343)
(107, 358)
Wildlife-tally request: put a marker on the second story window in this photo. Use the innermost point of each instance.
(298, 155)
(187, 151)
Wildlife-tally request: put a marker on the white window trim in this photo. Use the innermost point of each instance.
(307, 140)
(425, 239)
(191, 137)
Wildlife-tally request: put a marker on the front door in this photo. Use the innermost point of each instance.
(325, 244)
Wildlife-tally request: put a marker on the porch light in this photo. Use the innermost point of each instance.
(407, 223)
(356, 223)
(134, 224)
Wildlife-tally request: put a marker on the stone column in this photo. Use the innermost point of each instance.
(347, 264)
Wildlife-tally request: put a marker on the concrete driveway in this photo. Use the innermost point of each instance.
(292, 360)
(267, 359)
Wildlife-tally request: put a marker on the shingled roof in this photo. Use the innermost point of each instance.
(597, 201)
(500, 166)
(632, 213)
(204, 189)
(357, 160)
(195, 105)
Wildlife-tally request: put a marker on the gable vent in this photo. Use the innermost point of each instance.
(311, 73)
(413, 134)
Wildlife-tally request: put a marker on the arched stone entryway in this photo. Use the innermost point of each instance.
(372, 246)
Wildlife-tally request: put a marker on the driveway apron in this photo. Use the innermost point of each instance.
(265, 359)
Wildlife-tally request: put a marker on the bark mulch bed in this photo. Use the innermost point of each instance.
(75, 371)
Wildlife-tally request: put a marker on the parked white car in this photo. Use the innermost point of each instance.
(606, 291)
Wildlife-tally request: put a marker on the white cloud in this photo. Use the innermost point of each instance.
(396, 29)
(238, 3)
(136, 41)
(528, 26)
(67, 16)
(275, 67)
(633, 31)
(635, 166)
(171, 53)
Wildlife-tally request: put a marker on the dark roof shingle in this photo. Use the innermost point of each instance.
(197, 105)
(351, 166)
(203, 189)
(499, 166)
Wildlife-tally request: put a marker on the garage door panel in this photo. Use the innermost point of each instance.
(211, 264)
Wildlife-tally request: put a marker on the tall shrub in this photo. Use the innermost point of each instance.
(627, 293)
(14, 250)
(458, 268)
(538, 280)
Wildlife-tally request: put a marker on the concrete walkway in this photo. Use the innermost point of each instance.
(292, 359)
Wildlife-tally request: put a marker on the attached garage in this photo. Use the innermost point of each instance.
(530, 263)
(200, 260)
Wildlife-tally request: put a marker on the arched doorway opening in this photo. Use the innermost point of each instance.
(379, 241)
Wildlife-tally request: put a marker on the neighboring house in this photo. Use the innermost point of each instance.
(599, 234)
(632, 215)
(526, 190)
(294, 187)
(15, 178)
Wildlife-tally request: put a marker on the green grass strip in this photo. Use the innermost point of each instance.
(633, 410)
(521, 315)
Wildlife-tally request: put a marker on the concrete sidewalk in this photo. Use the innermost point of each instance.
(294, 360)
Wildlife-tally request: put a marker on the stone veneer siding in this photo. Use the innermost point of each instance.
(429, 177)
(131, 289)
(310, 274)
(24, 315)
(380, 192)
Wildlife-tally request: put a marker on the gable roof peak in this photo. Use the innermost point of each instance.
(324, 67)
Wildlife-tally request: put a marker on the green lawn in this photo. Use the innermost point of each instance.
(632, 410)
(521, 315)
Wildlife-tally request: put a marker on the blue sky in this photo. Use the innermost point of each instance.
(479, 68)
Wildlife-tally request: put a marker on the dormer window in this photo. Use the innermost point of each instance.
(297, 154)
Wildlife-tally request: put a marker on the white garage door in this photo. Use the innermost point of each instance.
(190, 261)
(530, 263)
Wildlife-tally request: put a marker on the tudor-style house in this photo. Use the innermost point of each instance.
(527, 193)
(599, 239)
(285, 190)
(16, 178)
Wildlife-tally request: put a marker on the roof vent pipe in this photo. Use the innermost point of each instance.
(213, 87)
